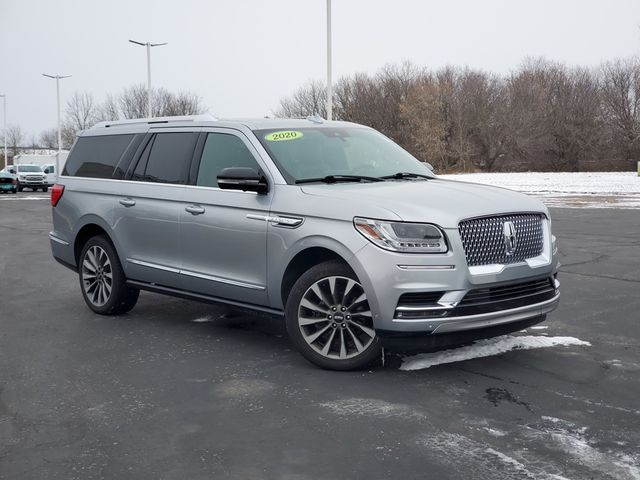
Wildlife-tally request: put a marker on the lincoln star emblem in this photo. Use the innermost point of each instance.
(510, 239)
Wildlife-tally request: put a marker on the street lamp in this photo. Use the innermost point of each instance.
(4, 126)
(148, 45)
(57, 78)
(329, 86)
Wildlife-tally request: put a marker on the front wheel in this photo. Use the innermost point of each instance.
(102, 279)
(329, 320)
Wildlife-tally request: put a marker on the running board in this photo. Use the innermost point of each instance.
(175, 292)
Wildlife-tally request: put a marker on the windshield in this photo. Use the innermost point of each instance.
(29, 168)
(308, 153)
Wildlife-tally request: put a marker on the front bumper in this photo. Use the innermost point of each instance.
(24, 183)
(386, 276)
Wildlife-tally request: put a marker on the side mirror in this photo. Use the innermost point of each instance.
(429, 166)
(242, 178)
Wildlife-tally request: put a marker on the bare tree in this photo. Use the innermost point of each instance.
(15, 137)
(132, 103)
(310, 99)
(620, 92)
(49, 139)
(82, 111)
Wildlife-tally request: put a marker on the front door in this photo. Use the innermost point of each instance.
(224, 232)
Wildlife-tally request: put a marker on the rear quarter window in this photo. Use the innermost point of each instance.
(96, 157)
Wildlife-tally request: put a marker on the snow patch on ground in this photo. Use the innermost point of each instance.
(487, 348)
(368, 407)
(572, 440)
(206, 318)
(23, 198)
(567, 189)
(474, 459)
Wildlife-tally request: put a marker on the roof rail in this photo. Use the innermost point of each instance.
(151, 121)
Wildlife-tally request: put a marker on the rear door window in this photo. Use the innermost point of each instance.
(97, 156)
(166, 158)
(222, 150)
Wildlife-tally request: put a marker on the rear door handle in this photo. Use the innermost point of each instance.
(195, 210)
(127, 202)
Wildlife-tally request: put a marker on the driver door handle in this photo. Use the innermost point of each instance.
(127, 202)
(195, 210)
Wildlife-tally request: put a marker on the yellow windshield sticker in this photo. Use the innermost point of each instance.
(284, 135)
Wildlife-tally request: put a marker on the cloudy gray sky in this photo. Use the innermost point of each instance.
(242, 56)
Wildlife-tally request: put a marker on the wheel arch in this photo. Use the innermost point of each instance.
(91, 226)
(305, 254)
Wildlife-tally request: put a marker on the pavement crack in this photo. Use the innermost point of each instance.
(498, 395)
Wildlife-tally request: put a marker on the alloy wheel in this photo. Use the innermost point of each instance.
(97, 276)
(335, 319)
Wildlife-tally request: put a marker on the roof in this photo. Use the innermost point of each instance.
(209, 121)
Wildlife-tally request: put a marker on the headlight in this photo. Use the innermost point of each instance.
(402, 236)
(22, 177)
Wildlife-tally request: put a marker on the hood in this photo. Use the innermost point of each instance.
(443, 202)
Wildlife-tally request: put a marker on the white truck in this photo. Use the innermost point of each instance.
(46, 161)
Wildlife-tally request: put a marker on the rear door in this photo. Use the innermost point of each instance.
(147, 210)
(224, 232)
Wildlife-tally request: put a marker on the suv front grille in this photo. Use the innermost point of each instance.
(483, 239)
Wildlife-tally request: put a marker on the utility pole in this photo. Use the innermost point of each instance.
(4, 126)
(329, 85)
(148, 45)
(57, 78)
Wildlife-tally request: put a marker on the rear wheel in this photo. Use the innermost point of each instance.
(102, 279)
(329, 319)
(45, 189)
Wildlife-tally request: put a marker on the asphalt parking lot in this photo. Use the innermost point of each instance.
(179, 390)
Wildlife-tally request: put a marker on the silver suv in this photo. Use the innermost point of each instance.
(330, 225)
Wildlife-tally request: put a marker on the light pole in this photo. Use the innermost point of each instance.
(329, 86)
(4, 126)
(57, 78)
(148, 45)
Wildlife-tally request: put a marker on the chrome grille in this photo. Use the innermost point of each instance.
(484, 241)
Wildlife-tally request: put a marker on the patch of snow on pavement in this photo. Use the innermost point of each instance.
(622, 468)
(487, 348)
(567, 189)
(206, 318)
(370, 407)
(25, 198)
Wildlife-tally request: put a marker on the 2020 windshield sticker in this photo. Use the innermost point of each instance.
(284, 135)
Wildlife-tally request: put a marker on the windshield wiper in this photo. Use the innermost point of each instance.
(340, 178)
(402, 175)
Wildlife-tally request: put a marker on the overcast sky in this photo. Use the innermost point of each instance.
(242, 56)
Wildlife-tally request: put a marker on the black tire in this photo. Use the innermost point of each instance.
(348, 332)
(120, 298)
(15, 191)
(45, 189)
(19, 189)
